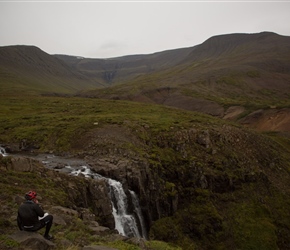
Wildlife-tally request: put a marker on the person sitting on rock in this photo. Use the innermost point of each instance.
(31, 216)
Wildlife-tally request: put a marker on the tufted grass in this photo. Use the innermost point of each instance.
(52, 123)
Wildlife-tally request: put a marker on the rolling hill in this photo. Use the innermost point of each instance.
(112, 71)
(223, 67)
(226, 70)
(228, 76)
(27, 69)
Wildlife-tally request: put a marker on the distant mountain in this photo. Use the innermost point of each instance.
(251, 70)
(29, 69)
(115, 70)
(217, 52)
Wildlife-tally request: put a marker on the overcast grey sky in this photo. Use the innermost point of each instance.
(104, 29)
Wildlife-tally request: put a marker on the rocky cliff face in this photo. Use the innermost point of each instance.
(173, 170)
(83, 193)
(192, 183)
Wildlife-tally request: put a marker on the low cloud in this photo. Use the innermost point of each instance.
(109, 49)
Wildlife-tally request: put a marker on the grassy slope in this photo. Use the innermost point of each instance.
(29, 69)
(51, 122)
(238, 69)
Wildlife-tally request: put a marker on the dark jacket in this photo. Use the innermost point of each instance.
(28, 213)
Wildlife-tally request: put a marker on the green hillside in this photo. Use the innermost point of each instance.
(218, 186)
(27, 69)
(157, 123)
(251, 70)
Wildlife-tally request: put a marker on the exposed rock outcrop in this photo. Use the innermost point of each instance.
(24, 164)
(32, 241)
(82, 192)
(190, 173)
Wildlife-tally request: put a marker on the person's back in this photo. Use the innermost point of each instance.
(29, 213)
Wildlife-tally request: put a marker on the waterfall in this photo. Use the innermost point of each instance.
(125, 210)
(138, 212)
(3, 151)
(125, 223)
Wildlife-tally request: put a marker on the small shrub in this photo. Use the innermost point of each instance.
(165, 229)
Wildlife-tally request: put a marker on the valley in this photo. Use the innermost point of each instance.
(200, 134)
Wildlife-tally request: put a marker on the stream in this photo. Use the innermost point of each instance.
(125, 223)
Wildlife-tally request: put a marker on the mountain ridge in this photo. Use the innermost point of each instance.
(250, 71)
(132, 65)
(124, 68)
(32, 69)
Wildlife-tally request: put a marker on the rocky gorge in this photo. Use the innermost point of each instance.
(199, 188)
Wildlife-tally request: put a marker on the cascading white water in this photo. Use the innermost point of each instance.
(3, 151)
(138, 211)
(125, 223)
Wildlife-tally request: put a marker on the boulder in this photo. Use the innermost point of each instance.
(86, 215)
(99, 230)
(64, 211)
(24, 164)
(32, 241)
(58, 220)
